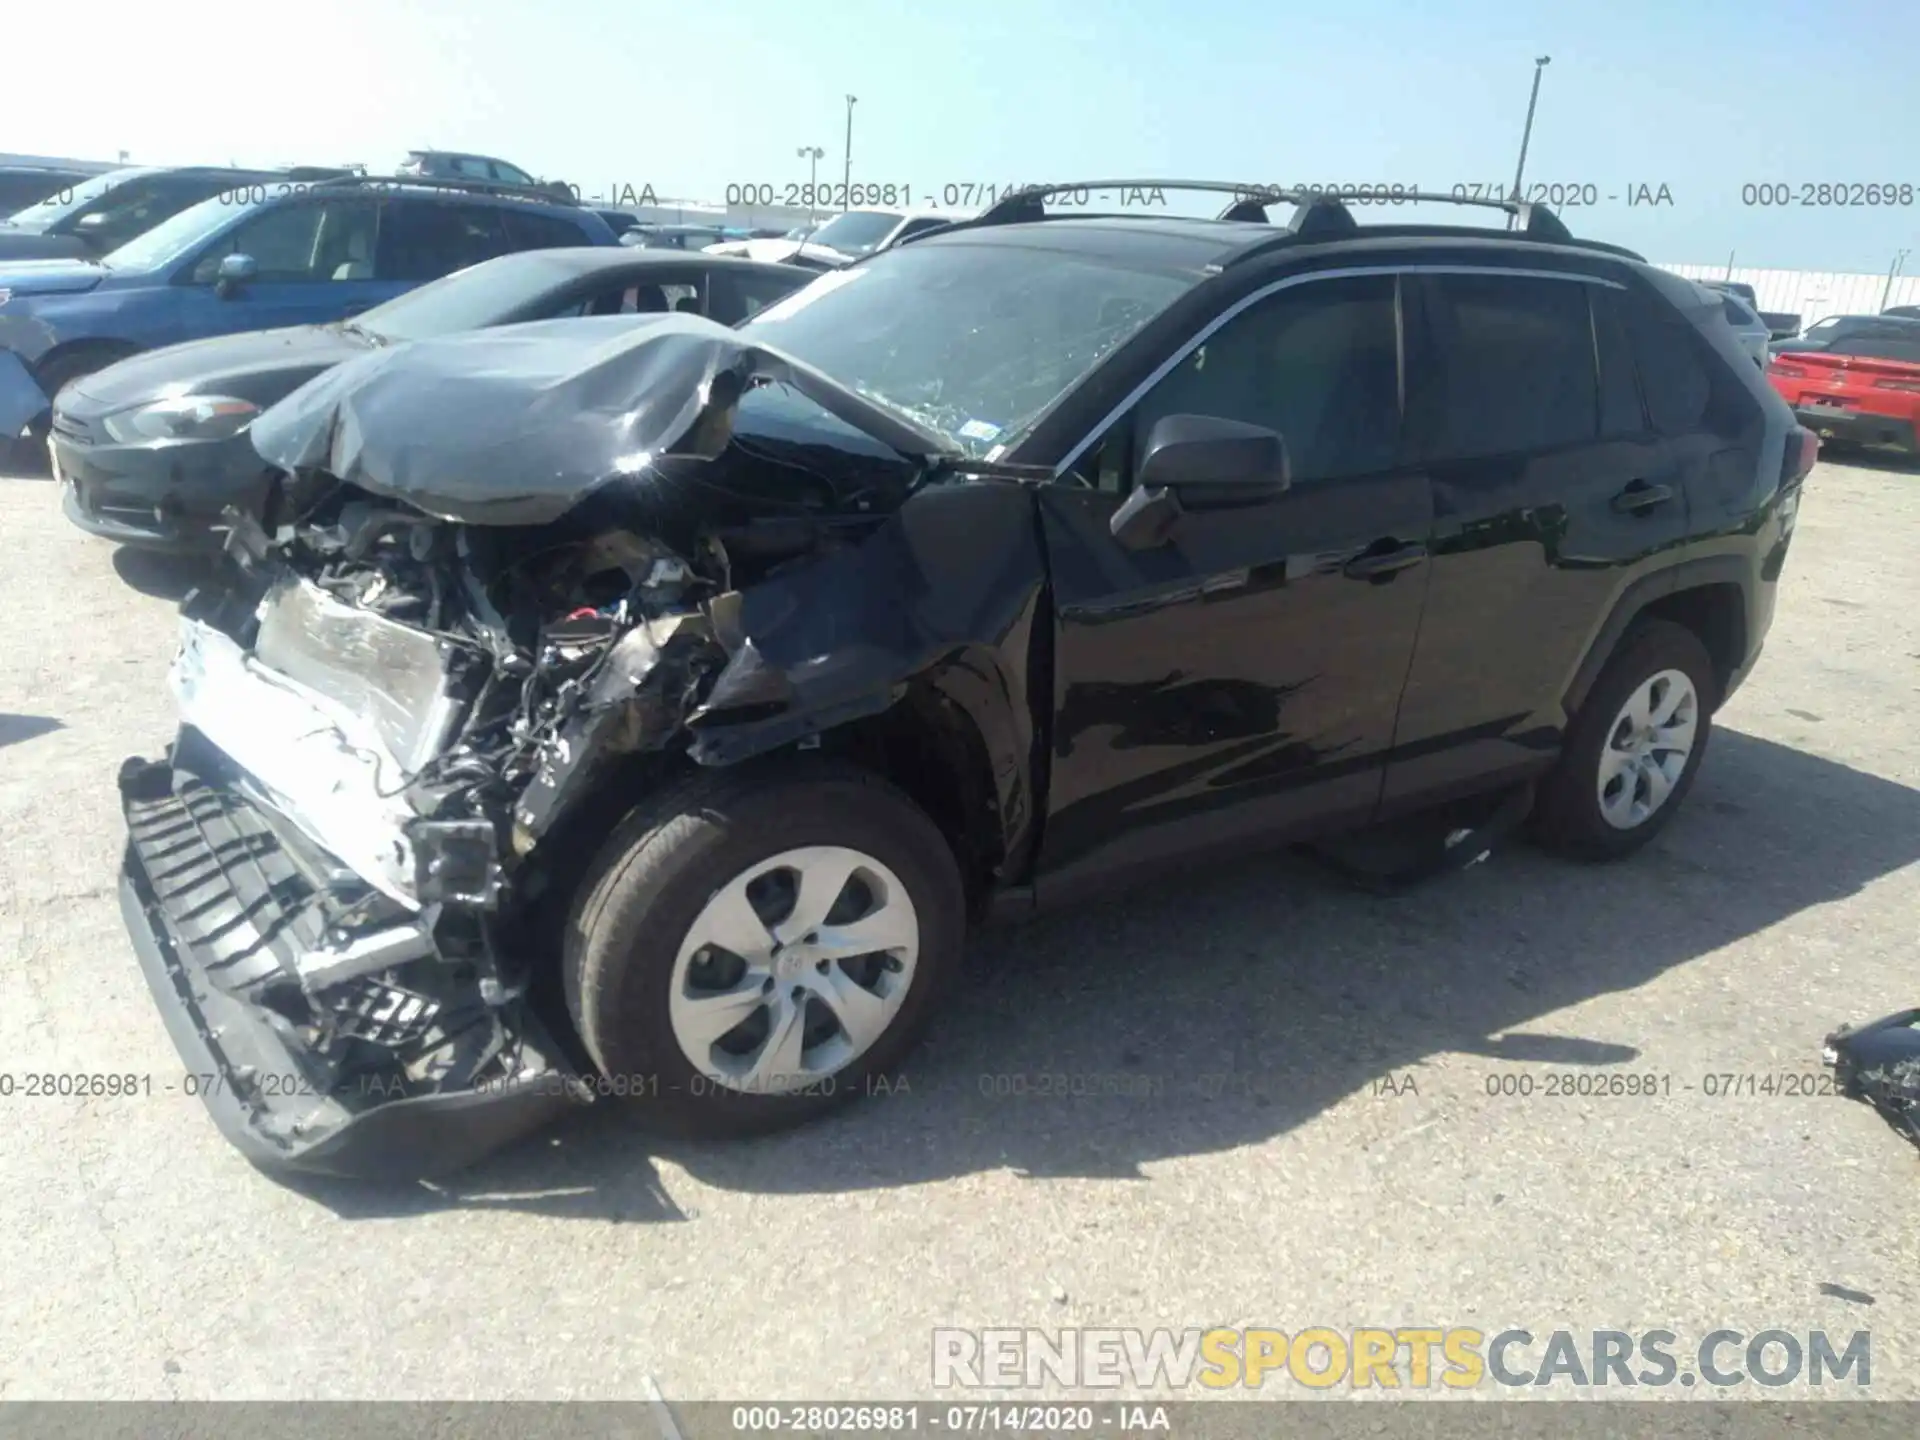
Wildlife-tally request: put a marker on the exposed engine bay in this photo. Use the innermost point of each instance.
(393, 720)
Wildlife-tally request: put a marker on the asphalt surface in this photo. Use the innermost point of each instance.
(1317, 1144)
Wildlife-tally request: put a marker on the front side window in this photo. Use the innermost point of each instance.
(1318, 362)
(308, 242)
(1507, 367)
(510, 175)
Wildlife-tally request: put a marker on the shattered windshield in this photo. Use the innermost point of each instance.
(972, 341)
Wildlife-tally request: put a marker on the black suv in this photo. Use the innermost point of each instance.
(547, 748)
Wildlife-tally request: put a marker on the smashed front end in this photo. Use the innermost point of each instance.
(478, 597)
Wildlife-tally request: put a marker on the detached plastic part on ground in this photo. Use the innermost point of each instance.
(1880, 1063)
(1390, 858)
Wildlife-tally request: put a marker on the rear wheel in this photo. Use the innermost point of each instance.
(1634, 749)
(752, 950)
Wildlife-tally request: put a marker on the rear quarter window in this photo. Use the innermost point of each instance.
(1687, 386)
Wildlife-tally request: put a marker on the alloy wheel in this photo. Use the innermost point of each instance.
(1647, 749)
(794, 969)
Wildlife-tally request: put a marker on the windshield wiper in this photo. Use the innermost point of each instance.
(374, 335)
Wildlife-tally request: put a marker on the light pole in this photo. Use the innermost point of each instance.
(1893, 270)
(846, 180)
(812, 155)
(1527, 134)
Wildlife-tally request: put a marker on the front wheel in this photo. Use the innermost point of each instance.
(751, 950)
(1634, 749)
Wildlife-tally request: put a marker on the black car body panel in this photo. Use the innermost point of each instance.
(519, 581)
(519, 425)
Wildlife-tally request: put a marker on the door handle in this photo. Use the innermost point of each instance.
(1378, 564)
(1641, 496)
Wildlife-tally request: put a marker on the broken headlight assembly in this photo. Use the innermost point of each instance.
(182, 417)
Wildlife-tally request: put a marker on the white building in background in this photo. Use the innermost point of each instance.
(1813, 294)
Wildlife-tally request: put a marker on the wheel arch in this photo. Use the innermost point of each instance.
(109, 351)
(1708, 596)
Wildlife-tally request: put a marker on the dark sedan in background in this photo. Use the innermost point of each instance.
(149, 451)
(85, 219)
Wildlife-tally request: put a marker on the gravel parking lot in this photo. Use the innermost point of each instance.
(1283, 1113)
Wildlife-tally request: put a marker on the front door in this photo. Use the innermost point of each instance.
(1239, 683)
(314, 262)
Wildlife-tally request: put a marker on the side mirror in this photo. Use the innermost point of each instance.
(235, 271)
(1198, 462)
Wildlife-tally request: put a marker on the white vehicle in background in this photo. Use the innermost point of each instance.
(840, 241)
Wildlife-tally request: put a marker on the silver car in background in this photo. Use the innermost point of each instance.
(1748, 328)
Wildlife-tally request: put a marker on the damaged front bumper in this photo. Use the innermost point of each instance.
(324, 1026)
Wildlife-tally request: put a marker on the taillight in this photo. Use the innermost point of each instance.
(1803, 448)
(1790, 372)
(1911, 386)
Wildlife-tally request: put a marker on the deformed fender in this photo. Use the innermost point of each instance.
(942, 595)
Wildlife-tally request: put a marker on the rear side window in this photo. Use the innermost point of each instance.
(531, 230)
(1673, 372)
(1508, 366)
(737, 296)
(425, 239)
(1318, 362)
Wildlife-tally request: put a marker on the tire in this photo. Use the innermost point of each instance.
(1571, 816)
(633, 971)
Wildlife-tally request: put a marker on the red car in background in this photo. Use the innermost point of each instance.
(1861, 390)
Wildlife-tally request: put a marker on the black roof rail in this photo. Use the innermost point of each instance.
(1318, 214)
(550, 196)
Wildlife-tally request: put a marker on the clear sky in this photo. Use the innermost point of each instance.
(1703, 96)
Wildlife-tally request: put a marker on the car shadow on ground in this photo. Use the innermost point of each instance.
(15, 728)
(1225, 1008)
(160, 573)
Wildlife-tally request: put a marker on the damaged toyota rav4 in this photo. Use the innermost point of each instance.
(626, 709)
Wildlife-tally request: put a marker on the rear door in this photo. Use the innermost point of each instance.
(1240, 682)
(1552, 494)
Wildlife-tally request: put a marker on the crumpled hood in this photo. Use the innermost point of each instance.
(51, 277)
(258, 365)
(516, 425)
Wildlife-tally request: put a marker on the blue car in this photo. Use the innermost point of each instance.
(257, 257)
